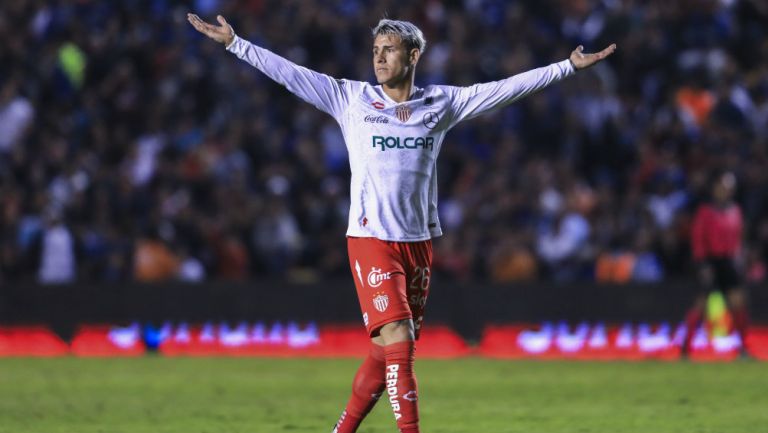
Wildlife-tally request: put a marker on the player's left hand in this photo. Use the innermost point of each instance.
(581, 60)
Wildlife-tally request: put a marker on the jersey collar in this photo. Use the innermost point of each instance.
(415, 93)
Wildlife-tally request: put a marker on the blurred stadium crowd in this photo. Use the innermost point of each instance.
(133, 148)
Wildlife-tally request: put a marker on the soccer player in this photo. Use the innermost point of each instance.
(393, 133)
(716, 235)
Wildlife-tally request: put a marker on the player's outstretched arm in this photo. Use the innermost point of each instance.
(324, 92)
(581, 60)
(223, 34)
(468, 102)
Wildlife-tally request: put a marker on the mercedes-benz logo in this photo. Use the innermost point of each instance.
(431, 120)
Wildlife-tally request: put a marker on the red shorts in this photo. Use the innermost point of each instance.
(392, 280)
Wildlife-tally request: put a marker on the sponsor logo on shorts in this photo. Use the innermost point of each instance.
(365, 319)
(376, 277)
(380, 301)
(419, 320)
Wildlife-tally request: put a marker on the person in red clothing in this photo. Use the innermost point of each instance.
(716, 235)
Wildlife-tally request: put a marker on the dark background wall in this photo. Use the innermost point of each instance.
(466, 307)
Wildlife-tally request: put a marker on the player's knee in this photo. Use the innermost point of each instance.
(395, 332)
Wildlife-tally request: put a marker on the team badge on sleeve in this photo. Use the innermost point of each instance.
(380, 301)
(403, 113)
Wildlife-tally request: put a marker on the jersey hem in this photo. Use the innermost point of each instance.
(395, 239)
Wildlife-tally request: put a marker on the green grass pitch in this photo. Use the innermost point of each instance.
(155, 394)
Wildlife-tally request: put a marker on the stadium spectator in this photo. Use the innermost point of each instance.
(191, 269)
(562, 241)
(513, 262)
(57, 252)
(16, 115)
(154, 261)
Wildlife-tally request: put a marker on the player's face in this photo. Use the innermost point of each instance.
(391, 61)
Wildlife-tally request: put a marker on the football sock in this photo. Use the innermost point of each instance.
(400, 383)
(366, 390)
(741, 323)
(692, 320)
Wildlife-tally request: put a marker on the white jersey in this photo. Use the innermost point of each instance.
(393, 146)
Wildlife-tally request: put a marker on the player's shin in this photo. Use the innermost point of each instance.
(367, 387)
(401, 388)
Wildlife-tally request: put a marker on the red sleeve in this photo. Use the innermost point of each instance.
(698, 236)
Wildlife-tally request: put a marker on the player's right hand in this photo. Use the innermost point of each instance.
(223, 34)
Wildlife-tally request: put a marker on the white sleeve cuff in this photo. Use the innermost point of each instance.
(569, 67)
(231, 44)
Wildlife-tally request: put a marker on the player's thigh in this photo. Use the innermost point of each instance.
(419, 281)
(380, 281)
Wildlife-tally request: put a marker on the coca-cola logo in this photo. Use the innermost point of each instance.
(376, 119)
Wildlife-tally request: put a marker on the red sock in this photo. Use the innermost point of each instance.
(400, 383)
(692, 320)
(741, 323)
(366, 390)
